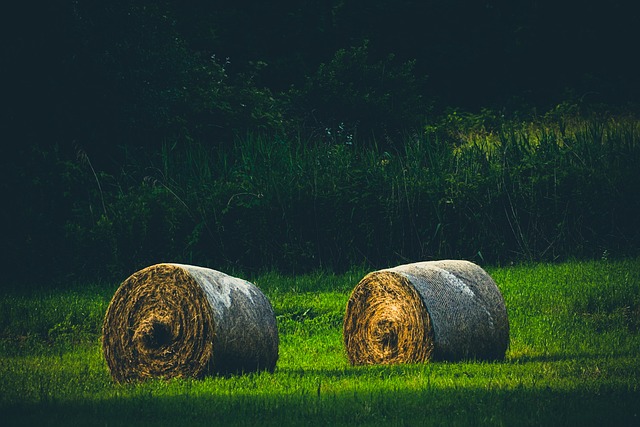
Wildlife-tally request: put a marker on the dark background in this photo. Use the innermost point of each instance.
(108, 79)
(77, 70)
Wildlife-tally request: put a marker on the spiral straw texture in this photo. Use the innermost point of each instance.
(441, 310)
(173, 320)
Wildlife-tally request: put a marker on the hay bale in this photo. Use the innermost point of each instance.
(440, 310)
(173, 320)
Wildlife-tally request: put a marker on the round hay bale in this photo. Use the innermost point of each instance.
(441, 310)
(173, 320)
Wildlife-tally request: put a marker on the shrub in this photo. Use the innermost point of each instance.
(356, 96)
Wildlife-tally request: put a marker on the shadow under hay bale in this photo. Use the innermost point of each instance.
(437, 310)
(173, 320)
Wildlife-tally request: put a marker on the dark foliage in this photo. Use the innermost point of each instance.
(100, 98)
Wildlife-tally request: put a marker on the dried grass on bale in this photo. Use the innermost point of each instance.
(437, 310)
(173, 320)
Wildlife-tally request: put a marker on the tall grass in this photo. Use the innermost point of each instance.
(509, 191)
(479, 187)
(572, 361)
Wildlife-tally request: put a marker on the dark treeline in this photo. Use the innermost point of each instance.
(96, 93)
(139, 72)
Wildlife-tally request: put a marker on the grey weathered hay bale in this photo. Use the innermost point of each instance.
(173, 320)
(441, 310)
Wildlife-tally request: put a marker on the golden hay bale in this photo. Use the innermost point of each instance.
(441, 310)
(173, 320)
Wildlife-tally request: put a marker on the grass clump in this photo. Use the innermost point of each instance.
(482, 187)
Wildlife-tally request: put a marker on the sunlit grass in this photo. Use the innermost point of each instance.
(572, 360)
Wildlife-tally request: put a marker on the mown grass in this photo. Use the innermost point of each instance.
(573, 360)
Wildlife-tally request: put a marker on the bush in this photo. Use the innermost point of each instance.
(493, 192)
(356, 96)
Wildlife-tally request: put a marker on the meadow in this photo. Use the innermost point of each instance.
(573, 360)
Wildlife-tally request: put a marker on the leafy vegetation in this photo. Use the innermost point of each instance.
(311, 134)
(572, 360)
(479, 187)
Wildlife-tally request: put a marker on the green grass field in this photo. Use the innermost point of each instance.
(573, 360)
